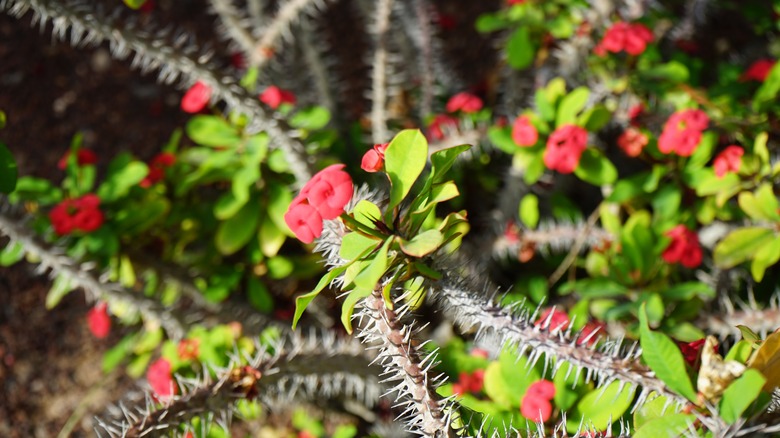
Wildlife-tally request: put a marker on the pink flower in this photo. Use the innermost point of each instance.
(160, 378)
(322, 198)
(441, 125)
(469, 382)
(84, 157)
(565, 147)
(374, 158)
(632, 141)
(730, 160)
(466, 102)
(196, 98)
(98, 320)
(558, 320)
(621, 36)
(274, 96)
(543, 389)
(535, 408)
(523, 132)
(304, 221)
(682, 132)
(80, 214)
(758, 70)
(684, 247)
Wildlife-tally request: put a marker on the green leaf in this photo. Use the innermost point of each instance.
(405, 159)
(237, 231)
(502, 137)
(270, 237)
(672, 72)
(571, 105)
(442, 161)
(119, 182)
(259, 296)
(688, 290)
(742, 350)
(740, 394)
(768, 90)
(311, 119)
(368, 278)
(601, 406)
(520, 49)
(568, 386)
(366, 212)
(302, 301)
(354, 245)
(594, 288)
(134, 4)
(529, 210)
(12, 253)
(760, 149)
(665, 426)
(741, 245)
(594, 118)
(761, 205)
(8, 170)
(490, 23)
(595, 168)
(507, 379)
(116, 354)
(664, 358)
(212, 131)
(348, 306)
(60, 287)
(765, 257)
(422, 244)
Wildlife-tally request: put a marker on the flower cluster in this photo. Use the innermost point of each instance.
(730, 160)
(629, 37)
(632, 141)
(98, 320)
(196, 98)
(565, 147)
(469, 382)
(465, 102)
(274, 97)
(682, 132)
(160, 378)
(524, 133)
(684, 247)
(84, 157)
(322, 198)
(374, 159)
(80, 214)
(157, 168)
(535, 404)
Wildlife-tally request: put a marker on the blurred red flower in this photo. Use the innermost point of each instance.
(632, 141)
(98, 320)
(682, 132)
(80, 214)
(441, 125)
(524, 133)
(730, 160)
(196, 98)
(84, 157)
(684, 247)
(157, 168)
(160, 378)
(466, 102)
(274, 96)
(558, 320)
(535, 408)
(629, 37)
(565, 147)
(758, 70)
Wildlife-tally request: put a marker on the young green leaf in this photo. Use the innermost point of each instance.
(664, 358)
(422, 244)
(520, 49)
(595, 168)
(368, 278)
(765, 257)
(302, 301)
(8, 170)
(666, 425)
(442, 161)
(348, 306)
(601, 406)
(237, 231)
(405, 159)
(741, 245)
(529, 210)
(212, 131)
(571, 105)
(740, 394)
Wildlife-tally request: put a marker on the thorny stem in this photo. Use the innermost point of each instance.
(379, 72)
(263, 49)
(575, 249)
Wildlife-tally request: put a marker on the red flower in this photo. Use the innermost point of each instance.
(553, 319)
(98, 320)
(374, 158)
(634, 113)
(565, 147)
(469, 382)
(160, 379)
(157, 168)
(682, 132)
(441, 125)
(632, 141)
(196, 98)
(323, 197)
(188, 349)
(543, 389)
(523, 132)
(80, 214)
(684, 247)
(466, 102)
(631, 38)
(274, 96)
(758, 70)
(691, 350)
(478, 352)
(535, 408)
(84, 157)
(591, 333)
(515, 2)
(730, 160)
